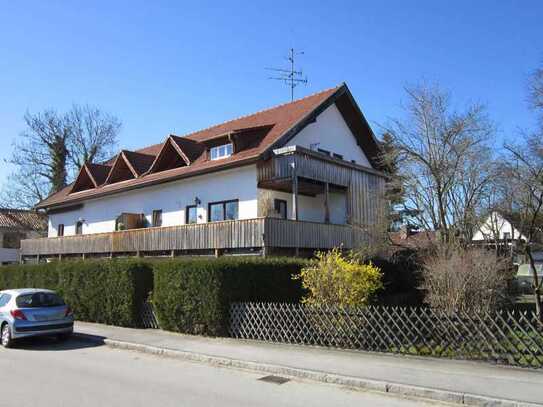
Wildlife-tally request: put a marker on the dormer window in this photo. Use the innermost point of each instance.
(219, 152)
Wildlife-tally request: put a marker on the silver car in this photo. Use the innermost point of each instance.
(33, 312)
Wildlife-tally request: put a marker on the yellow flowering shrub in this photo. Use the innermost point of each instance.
(334, 278)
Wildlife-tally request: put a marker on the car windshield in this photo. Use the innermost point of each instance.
(39, 299)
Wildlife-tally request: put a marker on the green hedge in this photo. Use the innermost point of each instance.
(190, 295)
(105, 291)
(193, 295)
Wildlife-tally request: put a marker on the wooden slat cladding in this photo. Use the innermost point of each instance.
(239, 234)
(365, 186)
(245, 233)
(312, 235)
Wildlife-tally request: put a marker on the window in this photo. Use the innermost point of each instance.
(323, 151)
(506, 235)
(60, 230)
(79, 228)
(216, 153)
(157, 218)
(338, 156)
(12, 240)
(225, 210)
(4, 299)
(191, 214)
(39, 299)
(280, 206)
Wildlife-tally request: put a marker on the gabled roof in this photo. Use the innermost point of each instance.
(256, 135)
(139, 162)
(90, 176)
(22, 219)
(121, 170)
(175, 153)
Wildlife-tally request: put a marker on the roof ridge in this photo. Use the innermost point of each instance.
(16, 210)
(258, 112)
(100, 164)
(136, 152)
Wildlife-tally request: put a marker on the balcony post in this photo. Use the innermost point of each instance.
(326, 202)
(294, 192)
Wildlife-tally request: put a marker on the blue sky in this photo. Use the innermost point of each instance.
(165, 67)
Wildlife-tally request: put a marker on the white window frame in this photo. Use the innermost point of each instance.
(220, 152)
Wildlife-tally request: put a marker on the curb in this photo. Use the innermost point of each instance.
(318, 376)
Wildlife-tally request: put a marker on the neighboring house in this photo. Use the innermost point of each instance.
(500, 232)
(496, 228)
(15, 225)
(301, 175)
(407, 238)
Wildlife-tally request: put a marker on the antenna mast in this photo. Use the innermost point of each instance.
(291, 77)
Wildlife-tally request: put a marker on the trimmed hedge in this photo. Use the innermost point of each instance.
(190, 295)
(105, 291)
(193, 295)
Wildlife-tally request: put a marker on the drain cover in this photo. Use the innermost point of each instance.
(274, 379)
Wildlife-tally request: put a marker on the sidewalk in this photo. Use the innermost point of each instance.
(448, 380)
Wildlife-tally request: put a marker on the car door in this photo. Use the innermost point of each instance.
(4, 300)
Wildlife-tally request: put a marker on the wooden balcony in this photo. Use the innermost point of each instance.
(259, 236)
(298, 170)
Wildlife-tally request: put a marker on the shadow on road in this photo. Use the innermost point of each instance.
(45, 343)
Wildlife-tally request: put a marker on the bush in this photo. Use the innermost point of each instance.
(107, 291)
(401, 272)
(458, 279)
(193, 295)
(337, 279)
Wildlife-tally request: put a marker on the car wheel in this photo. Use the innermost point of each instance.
(7, 341)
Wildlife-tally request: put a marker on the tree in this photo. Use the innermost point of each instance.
(337, 279)
(536, 91)
(522, 171)
(444, 160)
(93, 134)
(54, 146)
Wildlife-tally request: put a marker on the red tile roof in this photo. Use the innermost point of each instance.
(423, 239)
(22, 220)
(259, 131)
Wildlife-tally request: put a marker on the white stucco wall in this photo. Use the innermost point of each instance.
(99, 214)
(332, 134)
(310, 208)
(495, 224)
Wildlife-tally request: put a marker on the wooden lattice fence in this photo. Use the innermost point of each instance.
(148, 317)
(506, 337)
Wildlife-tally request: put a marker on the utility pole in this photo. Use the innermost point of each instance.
(290, 77)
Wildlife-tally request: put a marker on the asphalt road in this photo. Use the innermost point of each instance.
(42, 372)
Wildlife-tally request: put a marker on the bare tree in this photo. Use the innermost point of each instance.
(444, 160)
(522, 170)
(93, 134)
(40, 157)
(49, 152)
(536, 90)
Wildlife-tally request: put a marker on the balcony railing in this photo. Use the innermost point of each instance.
(239, 234)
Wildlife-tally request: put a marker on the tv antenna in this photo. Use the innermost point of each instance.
(291, 77)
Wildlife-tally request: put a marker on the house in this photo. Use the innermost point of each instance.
(497, 228)
(299, 176)
(503, 233)
(15, 225)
